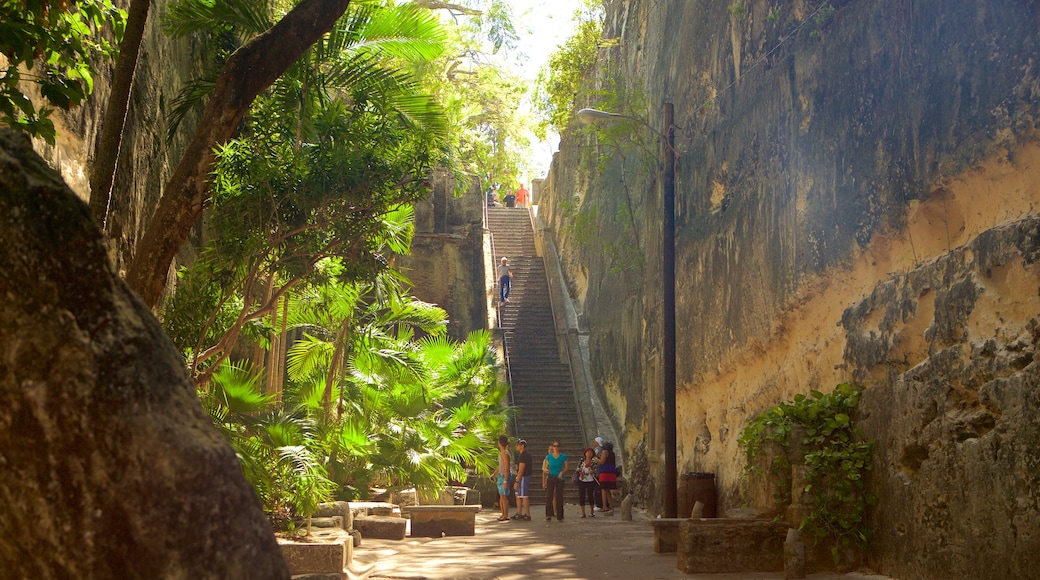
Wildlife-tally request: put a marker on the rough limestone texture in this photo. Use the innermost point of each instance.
(827, 153)
(316, 558)
(111, 468)
(446, 262)
(958, 456)
(717, 546)
(382, 527)
(448, 520)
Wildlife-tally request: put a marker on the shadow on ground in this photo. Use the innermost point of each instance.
(600, 547)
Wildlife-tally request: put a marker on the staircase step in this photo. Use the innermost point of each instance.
(542, 388)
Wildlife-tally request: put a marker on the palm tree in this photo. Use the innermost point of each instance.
(335, 149)
(427, 408)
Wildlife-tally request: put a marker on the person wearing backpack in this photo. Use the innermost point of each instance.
(607, 477)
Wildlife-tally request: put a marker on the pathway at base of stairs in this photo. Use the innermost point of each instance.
(592, 548)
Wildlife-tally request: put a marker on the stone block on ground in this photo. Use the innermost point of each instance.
(666, 534)
(315, 557)
(436, 497)
(327, 522)
(332, 509)
(434, 521)
(382, 527)
(373, 508)
(716, 546)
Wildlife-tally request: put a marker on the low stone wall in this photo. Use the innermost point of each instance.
(434, 521)
(716, 546)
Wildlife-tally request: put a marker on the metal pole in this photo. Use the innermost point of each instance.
(671, 484)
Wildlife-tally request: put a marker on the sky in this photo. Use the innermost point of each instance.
(542, 25)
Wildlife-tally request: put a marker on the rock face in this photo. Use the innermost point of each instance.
(958, 458)
(446, 263)
(874, 154)
(111, 468)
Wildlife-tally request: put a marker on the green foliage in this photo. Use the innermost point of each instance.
(568, 70)
(327, 165)
(736, 8)
(409, 411)
(836, 458)
(824, 13)
(58, 44)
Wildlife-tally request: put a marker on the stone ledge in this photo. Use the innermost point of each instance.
(317, 557)
(715, 546)
(382, 527)
(666, 534)
(434, 521)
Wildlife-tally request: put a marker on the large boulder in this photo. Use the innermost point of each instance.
(111, 468)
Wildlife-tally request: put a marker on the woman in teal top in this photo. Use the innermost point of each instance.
(553, 469)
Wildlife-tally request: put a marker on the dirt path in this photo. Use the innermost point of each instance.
(600, 547)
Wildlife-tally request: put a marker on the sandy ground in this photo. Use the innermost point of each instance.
(600, 547)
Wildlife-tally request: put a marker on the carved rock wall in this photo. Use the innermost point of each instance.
(825, 156)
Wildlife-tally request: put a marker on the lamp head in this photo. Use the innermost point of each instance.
(591, 115)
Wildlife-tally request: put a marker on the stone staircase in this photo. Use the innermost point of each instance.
(542, 388)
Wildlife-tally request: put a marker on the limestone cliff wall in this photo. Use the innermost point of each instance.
(845, 181)
(446, 264)
(165, 66)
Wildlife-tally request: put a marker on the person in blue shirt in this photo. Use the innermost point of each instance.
(553, 469)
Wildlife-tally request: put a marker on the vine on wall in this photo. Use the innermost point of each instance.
(817, 431)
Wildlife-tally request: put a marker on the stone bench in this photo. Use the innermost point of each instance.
(382, 527)
(434, 521)
(666, 534)
(317, 558)
(717, 546)
(373, 508)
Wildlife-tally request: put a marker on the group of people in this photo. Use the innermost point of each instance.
(520, 198)
(596, 471)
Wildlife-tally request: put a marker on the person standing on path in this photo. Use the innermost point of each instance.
(585, 476)
(607, 476)
(597, 450)
(553, 468)
(522, 485)
(505, 280)
(502, 474)
(522, 196)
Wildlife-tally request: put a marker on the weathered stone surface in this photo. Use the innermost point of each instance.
(666, 534)
(434, 521)
(111, 468)
(957, 464)
(316, 557)
(374, 508)
(446, 261)
(329, 522)
(814, 174)
(339, 509)
(716, 546)
(383, 527)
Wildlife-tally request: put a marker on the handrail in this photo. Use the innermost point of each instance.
(498, 319)
(563, 338)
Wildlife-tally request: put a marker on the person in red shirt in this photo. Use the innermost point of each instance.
(522, 196)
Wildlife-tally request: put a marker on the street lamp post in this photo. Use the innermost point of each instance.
(671, 484)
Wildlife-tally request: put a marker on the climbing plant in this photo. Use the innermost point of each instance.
(818, 430)
(55, 46)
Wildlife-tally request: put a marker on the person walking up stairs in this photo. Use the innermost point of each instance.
(542, 388)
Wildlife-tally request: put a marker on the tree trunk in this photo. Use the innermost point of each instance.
(102, 171)
(250, 70)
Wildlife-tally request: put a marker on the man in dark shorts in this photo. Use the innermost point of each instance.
(522, 485)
